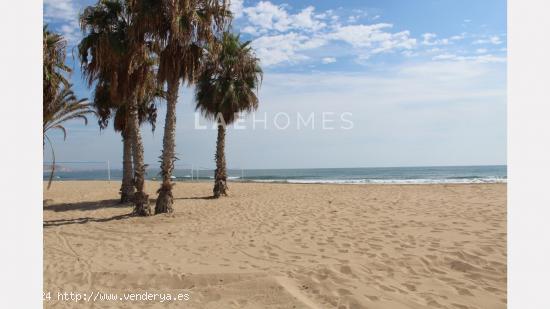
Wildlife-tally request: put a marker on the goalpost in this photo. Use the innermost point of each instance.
(102, 170)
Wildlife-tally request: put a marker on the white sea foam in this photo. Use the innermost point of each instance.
(387, 181)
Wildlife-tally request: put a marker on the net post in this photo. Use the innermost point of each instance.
(108, 170)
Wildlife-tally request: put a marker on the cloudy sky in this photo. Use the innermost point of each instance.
(351, 83)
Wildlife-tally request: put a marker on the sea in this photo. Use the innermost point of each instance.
(356, 175)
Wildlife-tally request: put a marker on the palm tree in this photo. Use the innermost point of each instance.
(64, 107)
(181, 28)
(115, 50)
(54, 68)
(226, 87)
(59, 101)
(106, 109)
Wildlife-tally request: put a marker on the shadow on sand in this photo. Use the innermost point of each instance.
(83, 206)
(90, 205)
(84, 220)
(195, 198)
(87, 206)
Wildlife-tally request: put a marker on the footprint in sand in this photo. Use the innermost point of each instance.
(345, 269)
(462, 291)
(411, 287)
(343, 292)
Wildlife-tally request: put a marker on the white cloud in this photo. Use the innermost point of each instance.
(352, 19)
(268, 16)
(374, 37)
(476, 59)
(312, 43)
(282, 48)
(236, 6)
(445, 56)
(306, 20)
(328, 60)
(59, 10)
(250, 30)
(282, 36)
(65, 15)
(409, 53)
(481, 50)
(285, 48)
(458, 37)
(288, 47)
(495, 40)
(71, 32)
(429, 39)
(489, 59)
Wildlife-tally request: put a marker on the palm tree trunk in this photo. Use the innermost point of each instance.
(165, 198)
(220, 183)
(127, 189)
(134, 154)
(141, 199)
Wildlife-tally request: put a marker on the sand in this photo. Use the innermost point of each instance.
(281, 246)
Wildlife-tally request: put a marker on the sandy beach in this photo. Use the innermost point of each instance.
(281, 246)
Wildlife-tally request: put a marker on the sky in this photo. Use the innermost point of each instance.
(352, 83)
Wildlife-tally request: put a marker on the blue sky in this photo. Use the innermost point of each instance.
(424, 83)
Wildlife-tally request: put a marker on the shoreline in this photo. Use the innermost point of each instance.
(504, 182)
(358, 176)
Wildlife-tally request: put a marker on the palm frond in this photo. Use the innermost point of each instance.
(65, 107)
(230, 76)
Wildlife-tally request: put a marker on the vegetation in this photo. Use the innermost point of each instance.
(115, 50)
(180, 29)
(59, 101)
(225, 88)
(134, 53)
(107, 109)
(54, 67)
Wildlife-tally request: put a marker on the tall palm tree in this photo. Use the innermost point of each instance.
(59, 101)
(181, 28)
(54, 67)
(226, 87)
(115, 50)
(106, 109)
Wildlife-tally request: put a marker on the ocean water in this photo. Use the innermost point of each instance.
(371, 175)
